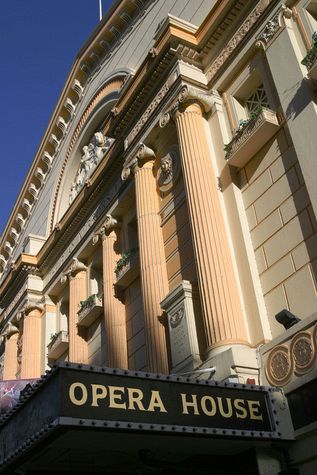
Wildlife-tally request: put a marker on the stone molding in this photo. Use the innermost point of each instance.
(273, 27)
(155, 103)
(232, 45)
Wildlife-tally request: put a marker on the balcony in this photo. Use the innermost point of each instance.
(127, 268)
(310, 60)
(89, 311)
(58, 345)
(251, 136)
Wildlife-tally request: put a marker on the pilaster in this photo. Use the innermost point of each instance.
(154, 282)
(77, 276)
(10, 366)
(114, 310)
(32, 341)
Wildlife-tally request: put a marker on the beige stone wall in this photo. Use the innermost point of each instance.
(96, 343)
(135, 327)
(282, 227)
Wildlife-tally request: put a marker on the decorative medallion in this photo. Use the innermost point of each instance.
(168, 172)
(176, 318)
(279, 366)
(303, 352)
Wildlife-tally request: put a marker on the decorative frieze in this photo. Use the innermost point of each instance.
(150, 110)
(273, 27)
(232, 45)
(92, 154)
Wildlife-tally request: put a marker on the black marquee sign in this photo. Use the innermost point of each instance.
(141, 400)
(76, 396)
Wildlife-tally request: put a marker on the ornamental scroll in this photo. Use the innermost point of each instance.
(91, 155)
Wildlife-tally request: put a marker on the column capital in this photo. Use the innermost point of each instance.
(32, 305)
(75, 267)
(10, 330)
(142, 154)
(109, 225)
(186, 96)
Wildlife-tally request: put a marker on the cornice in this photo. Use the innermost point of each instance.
(98, 48)
(24, 265)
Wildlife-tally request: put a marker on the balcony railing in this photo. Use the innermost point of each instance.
(251, 136)
(58, 345)
(127, 268)
(90, 310)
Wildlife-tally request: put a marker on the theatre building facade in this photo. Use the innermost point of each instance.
(158, 271)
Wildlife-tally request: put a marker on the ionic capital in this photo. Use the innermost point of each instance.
(10, 330)
(31, 305)
(132, 164)
(76, 266)
(186, 96)
(109, 225)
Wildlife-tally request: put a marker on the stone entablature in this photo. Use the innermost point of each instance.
(291, 355)
(91, 155)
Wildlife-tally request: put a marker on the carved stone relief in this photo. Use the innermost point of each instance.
(168, 171)
(91, 155)
(294, 358)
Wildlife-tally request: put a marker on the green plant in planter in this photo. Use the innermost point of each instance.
(126, 256)
(54, 336)
(88, 302)
(311, 55)
(243, 124)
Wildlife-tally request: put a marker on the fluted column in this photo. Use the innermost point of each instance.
(222, 309)
(32, 341)
(114, 310)
(154, 282)
(10, 365)
(78, 349)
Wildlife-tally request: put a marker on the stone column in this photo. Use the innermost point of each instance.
(10, 366)
(154, 282)
(114, 310)
(78, 349)
(32, 341)
(222, 310)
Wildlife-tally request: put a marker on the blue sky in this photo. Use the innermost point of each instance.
(39, 43)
